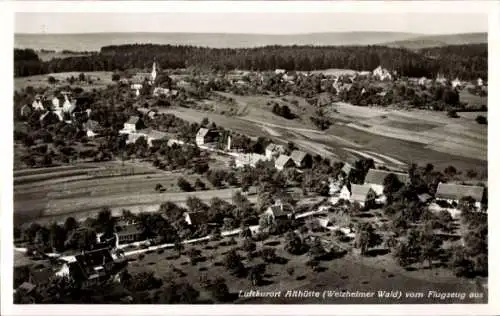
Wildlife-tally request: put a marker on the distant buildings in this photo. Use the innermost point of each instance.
(250, 159)
(362, 194)
(279, 211)
(382, 74)
(133, 124)
(284, 162)
(456, 83)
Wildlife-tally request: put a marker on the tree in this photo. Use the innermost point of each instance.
(219, 290)
(367, 238)
(184, 185)
(51, 80)
(450, 171)
(81, 76)
(316, 251)
(248, 245)
(430, 245)
(256, 273)
(293, 244)
(481, 120)
(233, 263)
(269, 254)
(115, 77)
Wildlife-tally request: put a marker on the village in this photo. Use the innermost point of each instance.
(312, 205)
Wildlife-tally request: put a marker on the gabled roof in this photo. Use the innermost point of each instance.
(133, 120)
(202, 132)
(282, 161)
(298, 156)
(197, 218)
(91, 259)
(453, 191)
(424, 197)
(376, 176)
(280, 210)
(359, 192)
(346, 168)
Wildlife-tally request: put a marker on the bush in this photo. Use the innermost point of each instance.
(184, 185)
(481, 120)
(453, 114)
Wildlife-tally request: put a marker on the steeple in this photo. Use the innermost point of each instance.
(153, 72)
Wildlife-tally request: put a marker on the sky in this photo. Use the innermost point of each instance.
(246, 22)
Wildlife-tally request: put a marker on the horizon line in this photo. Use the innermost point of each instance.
(243, 33)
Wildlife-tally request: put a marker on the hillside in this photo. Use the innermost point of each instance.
(440, 40)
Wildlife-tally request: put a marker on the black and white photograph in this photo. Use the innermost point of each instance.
(249, 157)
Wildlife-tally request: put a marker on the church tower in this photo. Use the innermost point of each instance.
(153, 73)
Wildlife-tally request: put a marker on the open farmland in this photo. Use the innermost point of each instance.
(54, 194)
(100, 80)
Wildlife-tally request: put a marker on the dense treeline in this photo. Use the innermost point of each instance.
(464, 61)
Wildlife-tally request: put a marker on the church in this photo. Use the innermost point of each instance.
(138, 79)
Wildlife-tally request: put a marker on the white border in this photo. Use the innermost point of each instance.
(6, 19)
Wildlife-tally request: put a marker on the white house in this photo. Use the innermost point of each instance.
(479, 82)
(422, 81)
(280, 71)
(133, 124)
(382, 74)
(273, 151)
(453, 193)
(196, 218)
(68, 106)
(206, 136)
(375, 179)
(456, 83)
(279, 211)
(358, 193)
(37, 104)
(249, 159)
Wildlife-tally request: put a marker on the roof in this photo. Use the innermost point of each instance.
(346, 168)
(359, 192)
(424, 197)
(280, 210)
(197, 218)
(453, 191)
(156, 134)
(298, 156)
(282, 161)
(144, 110)
(274, 147)
(376, 176)
(202, 132)
(41, 276)
(133, 120)
(90, 259)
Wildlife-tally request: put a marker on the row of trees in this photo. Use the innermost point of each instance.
(451, 61)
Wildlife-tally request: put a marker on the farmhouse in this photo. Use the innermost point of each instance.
(273, 151)
(363, 194)
(133, 124)
(375, 179)
(301, 159)
(195, 218)
(206, 136)
(453, 193)
(147, 112)
(279, 211)
(284, 162)
(154, 135)
(128, 233)
(89, 268)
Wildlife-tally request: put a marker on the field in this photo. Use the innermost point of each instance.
(52, 194)
(101, 79)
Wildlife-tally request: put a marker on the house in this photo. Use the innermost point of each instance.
(279, 211)
(441, 79)
(147, 112)
(284, 162)
(346, 169)
(50, 117)
(280, 71)
(69, 105)
(206, 136)
(37, 104)
(133, 124)
(89, 268)
(301, 159)
(456, 83)
(249, 159)
(26, 110)
(136, 86)
(382, 74)
(453, 193)
(422, 81)
(375, 179)
(363, 194)
(479, 82)
(158, 91)
(171, 142)
(272, 151)
(128, 233)
(196, 218)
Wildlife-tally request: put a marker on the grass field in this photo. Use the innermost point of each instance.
(100, 79)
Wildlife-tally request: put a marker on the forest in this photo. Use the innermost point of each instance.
(464, 61)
